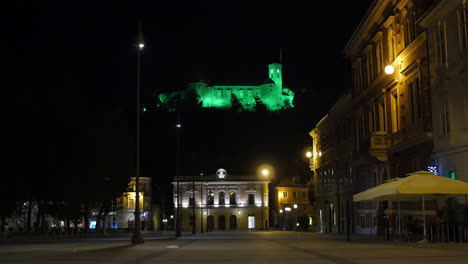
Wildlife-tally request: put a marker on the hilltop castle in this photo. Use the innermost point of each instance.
(269, 92)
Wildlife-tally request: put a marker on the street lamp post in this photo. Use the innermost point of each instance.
(295, 215)
(137, 238)
(178, 126)
(193, 207)
(265, 173)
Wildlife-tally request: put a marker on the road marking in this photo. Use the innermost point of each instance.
(172, 246)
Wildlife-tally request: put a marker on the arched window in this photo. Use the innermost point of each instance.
(222, 198)
(210, 198)
(232, 198)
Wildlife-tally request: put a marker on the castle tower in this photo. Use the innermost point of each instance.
(275, 73)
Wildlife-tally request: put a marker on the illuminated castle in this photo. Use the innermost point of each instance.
(269, 92)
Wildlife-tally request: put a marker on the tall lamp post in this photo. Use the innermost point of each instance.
(178, 126)
(137, 238)
(265, 173)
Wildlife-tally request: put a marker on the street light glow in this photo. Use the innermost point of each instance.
(141, 45)
(265, 172)
(309, 154)
(389, 69)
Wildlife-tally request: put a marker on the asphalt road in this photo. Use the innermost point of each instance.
(234, 247)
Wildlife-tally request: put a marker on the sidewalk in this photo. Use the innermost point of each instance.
(393, 241)
(35, 237)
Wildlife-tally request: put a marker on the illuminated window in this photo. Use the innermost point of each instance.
(450, 175)
(232, 198)
(285, 194)
(210, 198)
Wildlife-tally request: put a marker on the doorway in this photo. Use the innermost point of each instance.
(210, 223)
(233, 222)
(221, 222)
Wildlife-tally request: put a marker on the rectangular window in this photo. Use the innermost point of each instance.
(285, 194)
(440, 44)
(362, 221)
(294, 194)
(445, 117)
(395, 112)
(382, 126)
(414, 94)
(450, 175)
(463, 26)
(251, 221)
(378, 56)
(251, 198)
(409, 28)
(191, 202)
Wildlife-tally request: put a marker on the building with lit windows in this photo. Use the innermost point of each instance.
(292, 200)
(124, 217)
(383, 127)
(447, 32)
(270, 92)
(332, 149)
(221, 202)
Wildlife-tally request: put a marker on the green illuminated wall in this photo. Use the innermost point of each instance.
(270, 92)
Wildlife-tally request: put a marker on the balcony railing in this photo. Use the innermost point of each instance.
(379, 144)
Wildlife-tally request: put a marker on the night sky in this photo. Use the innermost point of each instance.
(71, 66)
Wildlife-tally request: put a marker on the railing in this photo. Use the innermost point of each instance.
(446, 233)
(379, 144)
(380, 140)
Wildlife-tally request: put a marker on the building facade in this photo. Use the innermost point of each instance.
(125, 216)
(447, 30)
(292, 201)
(221, 202)
(270, 92)
(383, 127)
(331, 164)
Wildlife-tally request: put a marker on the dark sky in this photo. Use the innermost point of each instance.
(70, 61)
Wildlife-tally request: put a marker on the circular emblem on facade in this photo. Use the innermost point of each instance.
(221, 173)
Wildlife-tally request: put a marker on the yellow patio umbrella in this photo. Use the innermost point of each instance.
(420, 185)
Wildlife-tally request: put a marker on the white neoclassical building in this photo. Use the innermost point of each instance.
(221, 201)
(447, 29)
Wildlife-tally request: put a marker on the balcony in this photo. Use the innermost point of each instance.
(379, 144)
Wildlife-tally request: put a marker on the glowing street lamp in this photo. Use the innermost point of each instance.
(137, 237)
(389, 69)
(265, 171)
(309, 154)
